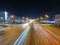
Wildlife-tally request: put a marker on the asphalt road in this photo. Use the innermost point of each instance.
(43, 35)
(33, 34)
(11, 34)
(46, 35)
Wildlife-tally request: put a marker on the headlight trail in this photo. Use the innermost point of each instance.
(22, 37)
(56, 36)
(45, 34)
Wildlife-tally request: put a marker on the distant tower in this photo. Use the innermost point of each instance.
(6, 15)
(3, 16)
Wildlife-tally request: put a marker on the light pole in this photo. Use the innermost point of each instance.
(41, 18)
(46, 17)
(12, 18)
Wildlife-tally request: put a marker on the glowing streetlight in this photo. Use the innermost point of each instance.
(12, 16)
(41, 18)
(27, 18)
(46, 16)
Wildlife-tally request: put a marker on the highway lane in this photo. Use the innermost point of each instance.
(27, 37)
(31, 38)
(46, 37)
(57, 36)
(39, 35)
(22, 40)
(22, 37)
(35, 34)
(11, 34)
(53, 30)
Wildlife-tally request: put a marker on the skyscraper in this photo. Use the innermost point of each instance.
(3, 16)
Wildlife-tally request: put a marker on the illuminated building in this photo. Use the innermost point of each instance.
(3, 16)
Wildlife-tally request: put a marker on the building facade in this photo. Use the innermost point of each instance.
(3, 16)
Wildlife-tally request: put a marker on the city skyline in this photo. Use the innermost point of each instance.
(30, 8)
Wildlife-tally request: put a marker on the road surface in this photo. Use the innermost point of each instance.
(33, 34)
(43, 35)
(11, 34)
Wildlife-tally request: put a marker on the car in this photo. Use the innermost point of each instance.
(2, 31)
(0, 26)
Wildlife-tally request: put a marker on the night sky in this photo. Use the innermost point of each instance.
(30, 8)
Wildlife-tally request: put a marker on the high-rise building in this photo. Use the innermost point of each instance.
(3, 16)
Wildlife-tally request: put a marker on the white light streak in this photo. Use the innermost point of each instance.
(6, 15)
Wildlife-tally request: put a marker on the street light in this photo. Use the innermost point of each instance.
(27, 18)
(12, 16)
(41, 18)
(46, 16)
(12, 19)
